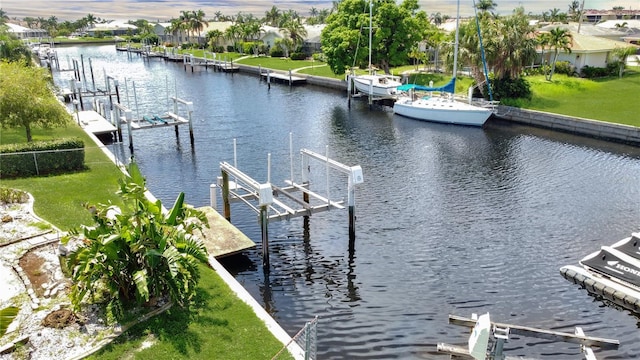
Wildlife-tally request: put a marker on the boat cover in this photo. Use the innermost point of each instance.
(630, 247)
(614, 264)
(449, 87)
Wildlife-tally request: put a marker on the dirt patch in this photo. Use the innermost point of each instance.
(60, 319)
(33, 267)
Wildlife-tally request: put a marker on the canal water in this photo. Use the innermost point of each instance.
(450, 220)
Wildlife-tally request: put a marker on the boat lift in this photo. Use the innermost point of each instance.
(487, 339)
(274, 203)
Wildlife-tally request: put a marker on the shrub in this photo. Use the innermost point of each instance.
(319, 57)
(565, 67)
(12, 196)
(591, 72)
(510, 88)
(41, 158)
(276, 52)
(231, 48)
(298, 56)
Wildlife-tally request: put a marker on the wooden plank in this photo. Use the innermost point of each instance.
(222, 238)
(543, 334)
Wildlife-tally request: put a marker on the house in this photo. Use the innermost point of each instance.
(114, 27)
(586, 50)
(25, 33)
(594, 16)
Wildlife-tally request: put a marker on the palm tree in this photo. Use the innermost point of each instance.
(436, 19)
(486, 5)
(213, 36)
(558, 39)
(218, 16)
(272, 17)
(90, 19)
(622, 53)
(198, 23)
(295, 31)
(543, 39)
(185, 21)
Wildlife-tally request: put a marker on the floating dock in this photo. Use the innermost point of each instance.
(221, 238)
(612, 273)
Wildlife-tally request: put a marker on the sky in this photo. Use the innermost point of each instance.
(164, 10)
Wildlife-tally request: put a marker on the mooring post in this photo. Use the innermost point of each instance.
(115, 83)
(265, 199)
(349, 80)
(189, 111)
(127, 116)
(226, 206)
(370, 92)
(269, 79)
(354, 178)
(305, 178)
(290, 81)
(264, 225)
(79, 88)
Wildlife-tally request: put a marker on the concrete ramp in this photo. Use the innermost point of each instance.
(222, 238)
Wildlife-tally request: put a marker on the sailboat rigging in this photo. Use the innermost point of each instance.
(441, 109)
(373, 84)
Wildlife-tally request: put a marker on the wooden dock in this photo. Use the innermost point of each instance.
(222, 238)
(94, 123)
(283, 78)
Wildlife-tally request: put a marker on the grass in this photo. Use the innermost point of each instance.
(610, 99)
(59, 199)
(217, 326)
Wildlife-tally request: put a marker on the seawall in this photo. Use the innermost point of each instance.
(587, 127)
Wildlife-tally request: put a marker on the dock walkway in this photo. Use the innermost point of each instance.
(221, 238)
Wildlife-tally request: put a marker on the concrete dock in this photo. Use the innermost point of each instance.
(221, 238)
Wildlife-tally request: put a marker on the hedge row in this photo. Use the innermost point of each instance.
(41, 158)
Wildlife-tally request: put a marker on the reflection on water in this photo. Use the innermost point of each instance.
(450, 220)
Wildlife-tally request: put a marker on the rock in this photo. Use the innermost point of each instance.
(7, 218)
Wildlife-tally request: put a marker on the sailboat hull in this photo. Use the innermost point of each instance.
(376, 85)
(442, 110)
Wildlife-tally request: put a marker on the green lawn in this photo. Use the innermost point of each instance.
(59, 199)
(217, 326)
(611, 99)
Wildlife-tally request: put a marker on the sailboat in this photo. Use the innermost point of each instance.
(372, 83)
(444, 109)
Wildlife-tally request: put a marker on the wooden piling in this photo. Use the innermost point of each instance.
(264, 225)
(226, 205)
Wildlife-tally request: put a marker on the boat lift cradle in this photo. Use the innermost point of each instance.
(487, 339)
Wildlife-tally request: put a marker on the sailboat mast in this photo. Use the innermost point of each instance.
(370, 32)
(455, 47)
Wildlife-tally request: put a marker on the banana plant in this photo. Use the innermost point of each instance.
(6, 318)
(137, 253)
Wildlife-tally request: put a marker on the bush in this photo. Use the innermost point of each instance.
(276, 52)
(298, 56)
(565, 67)
(41, 158)
(231, 48)
(319, 57)
(591, 72)
(510, 88)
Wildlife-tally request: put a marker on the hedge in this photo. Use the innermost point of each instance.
(41, 158)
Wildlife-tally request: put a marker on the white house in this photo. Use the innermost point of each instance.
(115, 27)
(25, 33)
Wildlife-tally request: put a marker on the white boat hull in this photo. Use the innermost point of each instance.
(376, 85)
(442, 110)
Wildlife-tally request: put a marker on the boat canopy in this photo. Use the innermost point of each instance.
(448, 87)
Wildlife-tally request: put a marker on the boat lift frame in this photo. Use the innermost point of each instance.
(245, 189)
(499, 334)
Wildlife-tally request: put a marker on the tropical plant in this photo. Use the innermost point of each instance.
(621, 54)
(13, 49)
(138, 253)
(6, 318)
(558, 39)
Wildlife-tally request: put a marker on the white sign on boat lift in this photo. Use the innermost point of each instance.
(280, 203)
